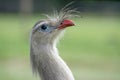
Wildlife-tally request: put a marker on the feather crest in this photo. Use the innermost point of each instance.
(65, 13)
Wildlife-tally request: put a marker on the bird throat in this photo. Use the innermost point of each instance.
(48, 64)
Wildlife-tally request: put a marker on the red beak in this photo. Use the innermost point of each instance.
(66, 23)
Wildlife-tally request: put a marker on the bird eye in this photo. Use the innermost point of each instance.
(43, 28)
(47, 28)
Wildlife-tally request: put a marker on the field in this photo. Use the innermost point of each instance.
(91, 48)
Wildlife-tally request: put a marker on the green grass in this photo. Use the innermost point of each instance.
(91, 48)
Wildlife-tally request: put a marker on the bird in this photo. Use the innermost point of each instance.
(44, 56)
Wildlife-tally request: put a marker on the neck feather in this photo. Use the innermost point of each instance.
(48, 64)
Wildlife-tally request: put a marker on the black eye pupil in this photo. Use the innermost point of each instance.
(43, 27)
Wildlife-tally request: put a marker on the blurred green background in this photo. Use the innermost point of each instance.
(91, 48)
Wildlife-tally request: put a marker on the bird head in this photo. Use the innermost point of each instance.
(48, 30)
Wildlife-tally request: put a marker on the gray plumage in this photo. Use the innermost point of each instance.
(44, 55)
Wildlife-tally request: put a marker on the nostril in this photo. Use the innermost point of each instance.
(61, 23)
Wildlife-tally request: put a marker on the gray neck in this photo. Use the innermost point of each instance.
(46, 61)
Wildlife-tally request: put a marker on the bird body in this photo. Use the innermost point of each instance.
(44, 55)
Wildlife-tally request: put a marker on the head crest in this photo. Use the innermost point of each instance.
(65, 13)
